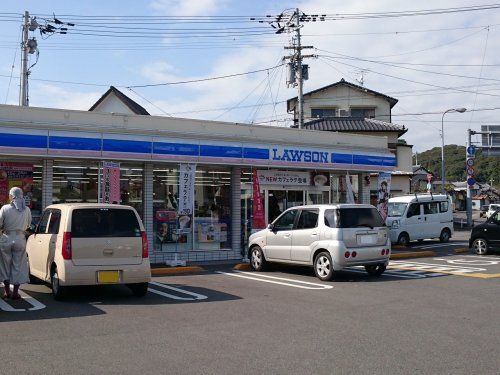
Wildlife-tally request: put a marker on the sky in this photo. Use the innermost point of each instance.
(430, 63)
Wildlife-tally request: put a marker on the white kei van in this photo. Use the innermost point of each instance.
(419, 217)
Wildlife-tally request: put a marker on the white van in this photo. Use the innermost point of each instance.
(418, 217)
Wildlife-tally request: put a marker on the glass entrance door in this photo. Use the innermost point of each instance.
(280, 200)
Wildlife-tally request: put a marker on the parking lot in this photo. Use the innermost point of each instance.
(422, 316)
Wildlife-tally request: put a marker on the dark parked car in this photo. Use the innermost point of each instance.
(485, 237)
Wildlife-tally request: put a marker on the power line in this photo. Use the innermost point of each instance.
(203, 79)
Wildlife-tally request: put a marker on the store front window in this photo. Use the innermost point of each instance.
(172, 233)
(340, 188)
(131, 186)
(212, 222)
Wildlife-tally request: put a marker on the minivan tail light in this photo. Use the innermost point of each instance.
(66, 246)
(145, 246)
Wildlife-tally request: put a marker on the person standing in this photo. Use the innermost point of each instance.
(15, 218)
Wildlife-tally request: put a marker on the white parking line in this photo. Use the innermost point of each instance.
(194, 296)
(37, 305)
(440, 245)
(433, 267)
(272, 280)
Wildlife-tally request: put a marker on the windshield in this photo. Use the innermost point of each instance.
(396, 209)
(494, 207)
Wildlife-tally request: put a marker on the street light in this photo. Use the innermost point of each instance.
(460, 110)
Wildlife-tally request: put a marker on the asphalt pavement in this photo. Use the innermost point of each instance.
(423, 316)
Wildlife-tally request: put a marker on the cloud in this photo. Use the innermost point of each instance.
(187, 7)
(59, 97)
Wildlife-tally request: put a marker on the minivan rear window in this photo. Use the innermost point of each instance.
(104, 222)
(354, 217)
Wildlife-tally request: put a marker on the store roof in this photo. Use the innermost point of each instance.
(353, 124)
(343, 82)
(131, 104)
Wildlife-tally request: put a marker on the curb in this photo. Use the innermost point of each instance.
(461, 250)
(176, 270)
(413, 254)
(242, 267)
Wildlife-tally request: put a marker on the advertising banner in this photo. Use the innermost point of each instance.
(16, 175)
(272, 177)
(110, 183)
(383, 191)
(187, 174)
(259, 221)
(350, 193)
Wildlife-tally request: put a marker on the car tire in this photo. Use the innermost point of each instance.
(375, 269)
(404, 239)
(480, 246)
(139, 289)
(58, 292)
(257, 259)
(323, 266)
(445, 235)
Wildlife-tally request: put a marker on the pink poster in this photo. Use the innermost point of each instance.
(110, 183)
(16, 175)
(259, 221)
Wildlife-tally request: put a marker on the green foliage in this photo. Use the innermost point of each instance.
(486, 167)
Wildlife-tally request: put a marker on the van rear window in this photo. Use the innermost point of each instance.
(354, 218)
(104, 222)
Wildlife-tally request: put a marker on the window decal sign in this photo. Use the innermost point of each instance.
(16, 175)
(110, 184)
(187, 173)
(276, 177)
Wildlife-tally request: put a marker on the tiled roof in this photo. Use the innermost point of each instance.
(343, 82)
(132, 105)
(353, 124)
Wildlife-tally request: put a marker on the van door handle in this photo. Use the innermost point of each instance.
(287, 235)
(108, 251)
(314, 234)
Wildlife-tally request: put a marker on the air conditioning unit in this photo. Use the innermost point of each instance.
(344, 113)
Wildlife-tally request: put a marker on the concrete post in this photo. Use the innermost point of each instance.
(236, 209)
(148, 202)
(47, 182)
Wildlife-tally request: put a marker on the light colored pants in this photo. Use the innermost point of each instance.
(13, 260)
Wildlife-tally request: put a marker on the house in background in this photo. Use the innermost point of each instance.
(115, 101)
(349, 108)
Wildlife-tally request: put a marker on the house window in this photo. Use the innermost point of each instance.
(363, 112)
(323, 112)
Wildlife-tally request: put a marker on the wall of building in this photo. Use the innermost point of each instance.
(400, 185)
(404, 158)
(112, 104)
(345, 97)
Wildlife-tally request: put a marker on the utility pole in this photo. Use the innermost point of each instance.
(300, 96)
(292, 21)
(30, 46)
(23, 95)
(468, 202)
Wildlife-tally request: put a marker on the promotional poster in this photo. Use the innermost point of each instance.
(16, 175)
(383, 191)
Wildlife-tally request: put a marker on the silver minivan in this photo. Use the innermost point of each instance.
(327, 237)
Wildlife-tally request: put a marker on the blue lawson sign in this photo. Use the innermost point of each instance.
(122, 147)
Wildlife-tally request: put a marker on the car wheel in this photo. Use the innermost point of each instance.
(58, 292)
(323, 266)
(257, 260)
(375, 269)
(480, 246)
(404, 239)
(445, 235)
(139, 289)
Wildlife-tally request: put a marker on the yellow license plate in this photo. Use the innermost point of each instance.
(108, 277)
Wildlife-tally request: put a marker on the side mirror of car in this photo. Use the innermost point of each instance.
(270, 226)
(31, 229)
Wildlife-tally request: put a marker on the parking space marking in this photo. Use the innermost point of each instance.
(405, 274)
(432, 246)
(433, 267)
(274, 280)
(194, 296)
(472, 262)
(36, 305)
